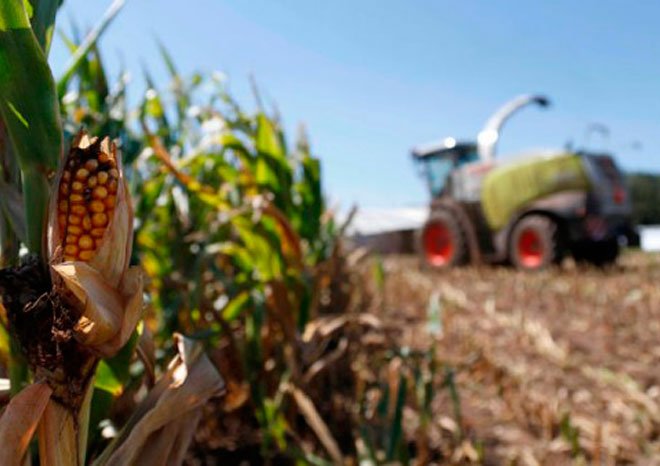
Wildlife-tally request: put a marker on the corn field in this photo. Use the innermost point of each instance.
(174, 289)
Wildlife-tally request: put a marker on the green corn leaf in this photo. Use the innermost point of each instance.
(4, 343)
(29, 108)
(231, 141)
(267, 141)
(11, 203)
(112, 374)
(68, 42)
(106, 380)
(273, 170)
(43, 20)
(87, 45)
(234, 307)
(182, 99)
(153, 107)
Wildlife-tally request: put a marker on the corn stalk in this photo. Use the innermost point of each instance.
(29, 109)
(65, 321)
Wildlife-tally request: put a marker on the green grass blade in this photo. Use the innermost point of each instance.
(29, 108)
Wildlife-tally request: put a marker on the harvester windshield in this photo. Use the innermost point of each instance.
(439, 161)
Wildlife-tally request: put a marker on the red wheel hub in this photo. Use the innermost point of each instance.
(438, 244)
(530, 248)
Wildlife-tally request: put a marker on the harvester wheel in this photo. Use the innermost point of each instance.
(442, 242)
(535, 243)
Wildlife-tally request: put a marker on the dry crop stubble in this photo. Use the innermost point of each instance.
(550, 367)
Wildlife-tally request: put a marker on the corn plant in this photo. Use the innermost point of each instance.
(244, 215)
(242, 262)
(75, 298)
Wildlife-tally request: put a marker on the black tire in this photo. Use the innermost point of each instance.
(598, 253)
(535, 243)
(442, 243)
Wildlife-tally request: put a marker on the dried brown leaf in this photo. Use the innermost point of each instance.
(109, 315)
(168, 412)
(316, 422)
(19, 422)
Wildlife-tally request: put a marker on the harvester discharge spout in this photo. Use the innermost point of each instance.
(490, 134)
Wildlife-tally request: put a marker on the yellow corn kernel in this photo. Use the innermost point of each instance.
(86, 242)
(71, 249)
(82, 174)
(85, 255)
(91, 165)
(97, 206)
(102, 177)
(100, 192)
(99, 220)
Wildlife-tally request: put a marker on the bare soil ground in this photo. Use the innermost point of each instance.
(557, 367)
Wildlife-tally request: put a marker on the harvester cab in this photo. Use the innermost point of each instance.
(439, 161)
(531, 211)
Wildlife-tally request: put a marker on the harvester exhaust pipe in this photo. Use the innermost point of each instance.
(488, 137)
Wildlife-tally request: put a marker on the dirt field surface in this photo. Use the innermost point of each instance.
(558, 367)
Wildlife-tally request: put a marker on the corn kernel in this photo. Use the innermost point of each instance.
(77, 187)
(86, 242)
(99, 220)
(98, 233)
(74, 230)
(85, 255)
(97, 206)
(71, 249)
(100, 192)
(103, 177)
(112, 186)
(78, 209)
(74, 220)
(91, 165)
(82, 174)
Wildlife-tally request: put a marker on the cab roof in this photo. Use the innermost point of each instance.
(446, 144)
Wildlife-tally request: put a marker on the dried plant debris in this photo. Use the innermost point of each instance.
(551, 368)
(44, 327)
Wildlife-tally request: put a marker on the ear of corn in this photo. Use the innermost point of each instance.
(91, 213)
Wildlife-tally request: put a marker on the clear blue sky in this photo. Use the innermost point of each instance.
(371, 78)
